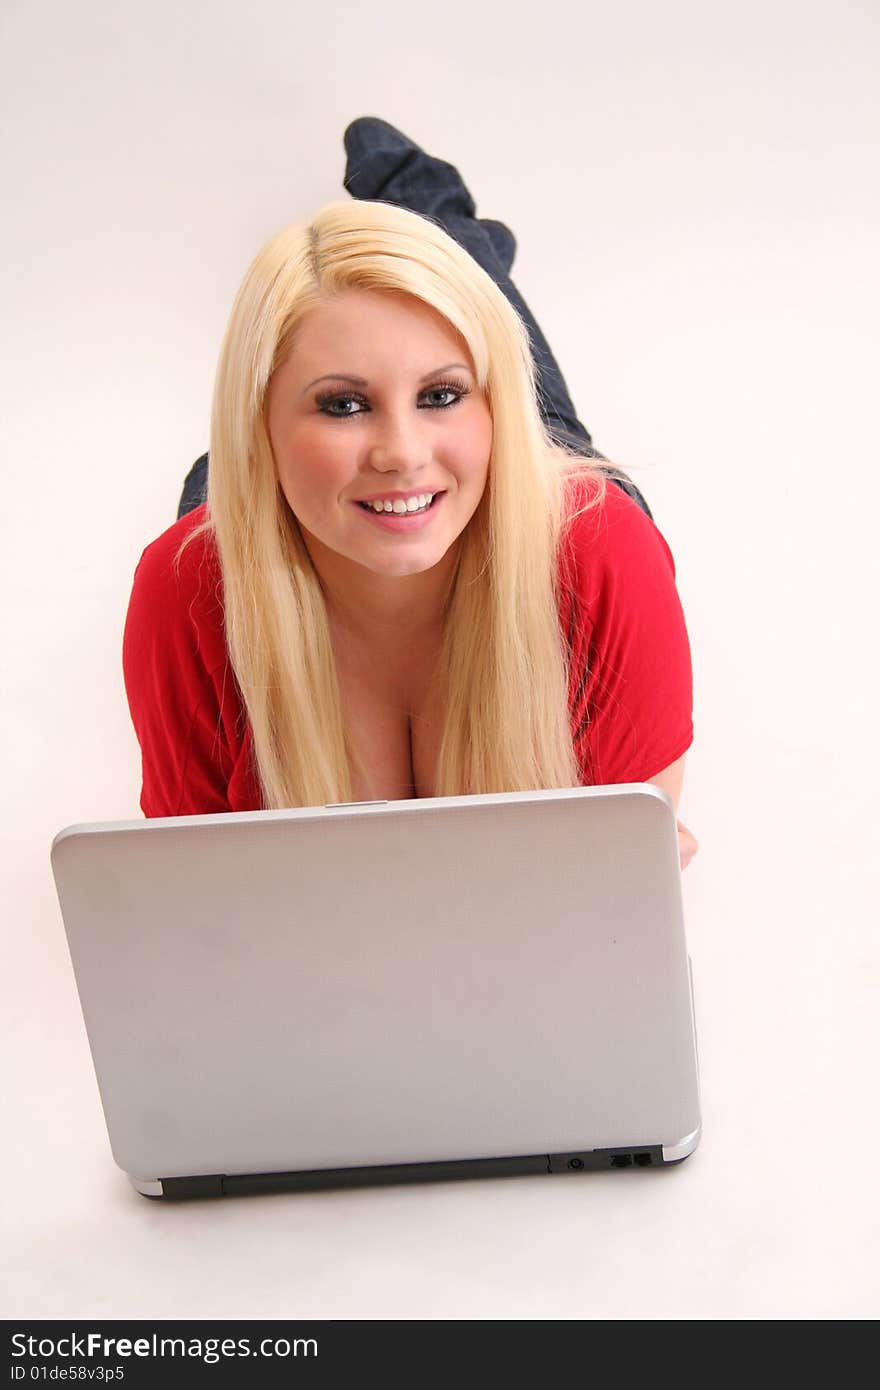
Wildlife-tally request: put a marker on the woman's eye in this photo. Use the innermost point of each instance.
(340, 400)
(444, 391)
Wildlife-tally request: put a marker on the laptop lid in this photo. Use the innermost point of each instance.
(443, 981)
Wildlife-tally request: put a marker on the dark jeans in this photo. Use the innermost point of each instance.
(383, 165)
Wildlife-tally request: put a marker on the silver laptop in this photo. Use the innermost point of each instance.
(386, 991)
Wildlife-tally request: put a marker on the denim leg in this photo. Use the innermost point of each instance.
(195, 487)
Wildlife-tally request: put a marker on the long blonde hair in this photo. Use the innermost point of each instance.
(503, 662)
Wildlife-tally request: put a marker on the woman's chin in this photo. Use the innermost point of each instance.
(401, 566)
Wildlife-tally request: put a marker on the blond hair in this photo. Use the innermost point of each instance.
(503, 662)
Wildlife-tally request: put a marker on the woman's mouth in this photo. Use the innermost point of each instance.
(399, 515)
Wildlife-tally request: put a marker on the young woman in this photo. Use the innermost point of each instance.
(402, 584)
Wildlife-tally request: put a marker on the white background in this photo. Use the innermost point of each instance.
(693, 189)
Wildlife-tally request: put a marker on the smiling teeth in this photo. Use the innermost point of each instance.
(412, 504)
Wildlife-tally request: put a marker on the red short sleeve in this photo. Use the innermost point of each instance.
(185, 705)
(631, 685)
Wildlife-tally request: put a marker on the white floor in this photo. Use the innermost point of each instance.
(713, 179)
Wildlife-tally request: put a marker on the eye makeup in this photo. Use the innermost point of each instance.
(454, 386)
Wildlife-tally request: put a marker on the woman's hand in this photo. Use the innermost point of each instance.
(687, 845)
(669, 781)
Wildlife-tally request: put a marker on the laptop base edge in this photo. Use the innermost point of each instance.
(252, 1184)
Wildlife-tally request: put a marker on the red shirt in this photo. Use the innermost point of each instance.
(631, 717)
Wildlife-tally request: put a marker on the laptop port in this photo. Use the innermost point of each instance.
(643, 1160)
(621, 1160)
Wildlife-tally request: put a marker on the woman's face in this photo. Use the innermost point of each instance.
(378, 404)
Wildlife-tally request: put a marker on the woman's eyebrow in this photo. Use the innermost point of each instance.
(362, 381)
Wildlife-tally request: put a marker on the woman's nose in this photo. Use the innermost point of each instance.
(398, 444)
